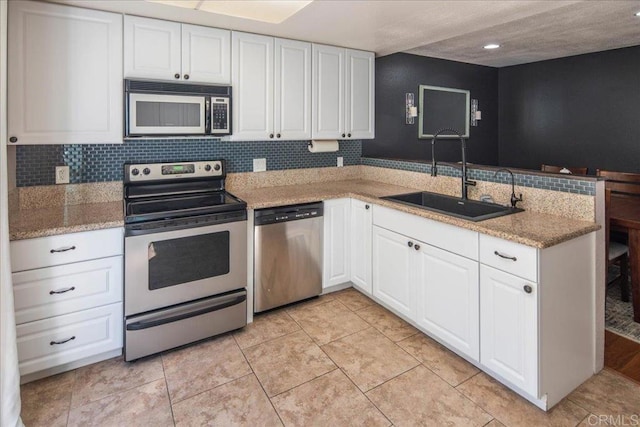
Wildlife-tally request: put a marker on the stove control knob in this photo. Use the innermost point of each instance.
(135, 171)
(217, 166)
(146, 171)
(207, 167)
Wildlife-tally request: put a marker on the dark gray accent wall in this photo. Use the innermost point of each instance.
(577, 111)
(400, 73)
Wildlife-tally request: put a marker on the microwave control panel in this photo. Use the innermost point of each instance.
(220, 116)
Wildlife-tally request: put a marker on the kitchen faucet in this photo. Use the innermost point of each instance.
(514, 199)
(434, 166)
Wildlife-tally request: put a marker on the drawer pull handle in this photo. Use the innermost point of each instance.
(416, 247)
(63, 341)
(512, 258)
(62, 291)
(410, 243)
(65, 249)
(528, 289)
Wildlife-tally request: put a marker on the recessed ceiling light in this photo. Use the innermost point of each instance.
(271, 11)
(491, 46)
(638, 14)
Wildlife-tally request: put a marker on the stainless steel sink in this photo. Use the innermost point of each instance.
(466, 209)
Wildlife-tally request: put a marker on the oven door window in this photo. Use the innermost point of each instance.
(187, 259)
(166, 114)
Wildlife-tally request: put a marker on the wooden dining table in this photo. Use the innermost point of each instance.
(624, 214)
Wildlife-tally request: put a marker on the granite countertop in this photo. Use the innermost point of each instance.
(28, 224)
(529, 228)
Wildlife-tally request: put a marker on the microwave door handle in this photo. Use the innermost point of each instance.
(207, 115)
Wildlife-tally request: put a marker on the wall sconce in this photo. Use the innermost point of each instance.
(475, 113)
(411, 111)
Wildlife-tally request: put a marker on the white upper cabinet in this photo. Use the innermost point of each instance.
(271, 80)
(360, 82)
(164, 50)
(328, 92)
(292, 89)
(252, 81)
(343, 93)
(151, 48)
(206, 54)
(65, 75)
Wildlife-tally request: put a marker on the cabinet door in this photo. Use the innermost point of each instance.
(151, 49)
(206, 54)
(336, 242)
(360, 88)
(448, 298)
(328, 92)
(393, 261)
(292, 89)
(361, 245)
(509, 328)
(65, 75)
(252, 80)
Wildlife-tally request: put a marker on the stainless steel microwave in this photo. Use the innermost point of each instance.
(154, 108)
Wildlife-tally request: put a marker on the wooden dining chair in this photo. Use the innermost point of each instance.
(621, 183)
(560, 169)
(617, 253)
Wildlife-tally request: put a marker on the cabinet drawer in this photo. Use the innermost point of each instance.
(52, 291)
(65, 248)
(78, 335)
(448, 237)
(509, 256)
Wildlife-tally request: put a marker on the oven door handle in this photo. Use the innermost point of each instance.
(145, 324)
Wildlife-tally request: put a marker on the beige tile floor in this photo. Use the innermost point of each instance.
(338, 360)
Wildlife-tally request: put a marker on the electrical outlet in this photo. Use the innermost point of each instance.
(340, 162)
(62, 174)
(259, 165)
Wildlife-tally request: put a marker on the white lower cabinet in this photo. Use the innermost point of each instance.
(522, 314)
(63, 339)
(393, 264)
(335, 269)
(447, 298)
(360, 229)
(51, 291)
(436, 289)
(68, 300)
(509, 333)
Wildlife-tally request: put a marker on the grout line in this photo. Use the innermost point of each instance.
(365, 395)
(166, 384)
(306, 382)
(75, 376)
(270, 339)
(131, 387)
(470, 378)
(585, 417)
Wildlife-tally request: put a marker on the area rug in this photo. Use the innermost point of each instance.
(619, 315)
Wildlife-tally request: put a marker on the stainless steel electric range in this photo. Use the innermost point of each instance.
(185, 256)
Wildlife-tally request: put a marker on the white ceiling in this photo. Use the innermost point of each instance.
(455, 29)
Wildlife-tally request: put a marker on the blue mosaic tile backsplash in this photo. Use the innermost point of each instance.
(566, 185)
(35, 164)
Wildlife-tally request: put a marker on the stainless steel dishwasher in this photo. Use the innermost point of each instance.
(287, 255)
